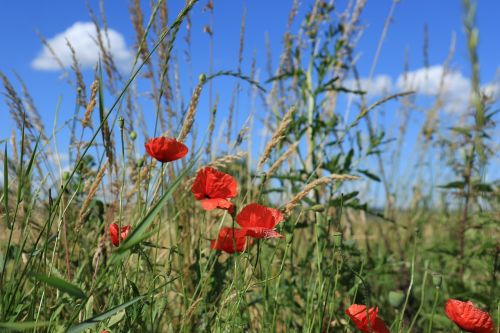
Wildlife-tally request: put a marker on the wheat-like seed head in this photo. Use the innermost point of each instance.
(92, 191)
(277, 137)
(281, 159)
(287, 209)
(87, 118)
(188, 123)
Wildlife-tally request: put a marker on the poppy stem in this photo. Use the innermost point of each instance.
(412, 276)
(258, 255)
(434, 305)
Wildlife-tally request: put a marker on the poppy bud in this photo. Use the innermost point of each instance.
(65, 175)
(140, 163)
(133, 135)
(289, 238)
(121, 122)
(317, 208)
(202, 78)
(437, 280)
(396, 298)
(337, 239)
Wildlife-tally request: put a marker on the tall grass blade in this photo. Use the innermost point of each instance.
(61, 284)
(6, 187)
(137, 234)
(93, 322)
(16, 327)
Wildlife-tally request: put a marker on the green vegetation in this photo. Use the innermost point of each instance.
(433, 236)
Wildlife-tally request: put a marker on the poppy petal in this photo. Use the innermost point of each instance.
(230, 240)
(258, 216)
(263, 233)
(366, 320)
(166, 149)
(211, 204)
(113, 233)
(468, 317)
(211, 184)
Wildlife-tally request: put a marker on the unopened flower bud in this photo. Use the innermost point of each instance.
(437, 280)
(121, 122)
(289, 238)
(202, 78)
(133, 135)
(317, 208)
(396, 298)
(337, 239)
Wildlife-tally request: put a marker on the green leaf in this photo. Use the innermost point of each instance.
(22, 326)
(61, 284)
(458, 184)
(462, 130)
(369, 175)
(342, 199)
(93, 322)
(482, 187)
(348, 160)
(137, 234)
(32, 157)
(6, 187)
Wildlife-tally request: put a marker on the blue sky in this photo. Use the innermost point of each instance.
(21, 47)
(20, 19)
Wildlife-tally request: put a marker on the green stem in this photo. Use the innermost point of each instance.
(408, 292)
(434, 305)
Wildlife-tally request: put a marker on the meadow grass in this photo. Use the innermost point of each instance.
(431, 239)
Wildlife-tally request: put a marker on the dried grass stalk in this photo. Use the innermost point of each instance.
(226, 160)
(15, 105)
(280, 160)
(75, 66)
(87, 118)
(188, 122)
(277, 137)
(191, 310)
(287, 209)
(55, 56)
(109, 64)
(211, 126)
(13, 142)
(91, 194)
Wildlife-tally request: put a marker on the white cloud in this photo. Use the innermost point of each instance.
(378, 86)
(452, 86)
(83, 38)
(492, 90)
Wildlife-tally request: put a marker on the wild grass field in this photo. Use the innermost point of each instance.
(182, 226)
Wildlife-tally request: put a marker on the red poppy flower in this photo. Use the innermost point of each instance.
(213, 188)
(468, 317)
(113, 232)
(230, 240)
(166, 149)
(259, 221)
(371, 323)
